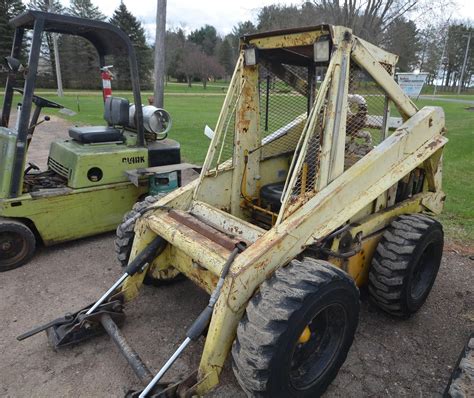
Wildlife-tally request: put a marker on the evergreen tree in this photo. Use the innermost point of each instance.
(402, 38)
(85, 9)
(8, 10)
(206, 38)
(225, 56)
(80, 59)
(126, 21)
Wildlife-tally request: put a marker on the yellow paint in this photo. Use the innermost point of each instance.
(288, 40)
(305, 335)
(340, 199)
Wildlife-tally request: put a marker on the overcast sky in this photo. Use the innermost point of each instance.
(223, 15)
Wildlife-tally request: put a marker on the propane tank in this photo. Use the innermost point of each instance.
(155, 120)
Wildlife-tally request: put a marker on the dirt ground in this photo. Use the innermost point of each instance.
(389, 357)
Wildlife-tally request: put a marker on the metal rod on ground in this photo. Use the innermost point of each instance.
(199, 325)
(128, 352)
(136, 265)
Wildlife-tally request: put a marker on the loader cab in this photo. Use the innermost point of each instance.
(89, 156)
(299, 112)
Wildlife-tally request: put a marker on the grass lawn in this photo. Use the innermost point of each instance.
(467, 97)
(193, 108)
(458, 172)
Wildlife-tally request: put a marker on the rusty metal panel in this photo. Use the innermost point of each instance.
(204, 229)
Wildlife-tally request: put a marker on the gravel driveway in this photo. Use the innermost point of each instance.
(389, 357)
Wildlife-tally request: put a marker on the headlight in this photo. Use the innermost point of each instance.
(321, 51)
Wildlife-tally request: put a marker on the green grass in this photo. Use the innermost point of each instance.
(466, 97)
(458, 171)
(170, 88)
(190, 114)
(192, 110)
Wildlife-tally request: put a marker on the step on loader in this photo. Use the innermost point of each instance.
(322, 176)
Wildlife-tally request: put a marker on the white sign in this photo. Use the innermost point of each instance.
(411, 83)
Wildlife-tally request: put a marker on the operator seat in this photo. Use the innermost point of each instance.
(116, 114)
(270, 196)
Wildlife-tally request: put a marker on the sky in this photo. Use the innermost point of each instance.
(223, 15)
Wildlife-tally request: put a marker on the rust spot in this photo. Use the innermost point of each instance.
(203, 229)
(433, 144)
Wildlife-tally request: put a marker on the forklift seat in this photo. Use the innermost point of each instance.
(116, 114)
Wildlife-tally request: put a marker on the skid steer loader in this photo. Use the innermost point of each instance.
(322, 176)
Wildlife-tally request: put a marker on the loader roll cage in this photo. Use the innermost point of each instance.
(107, 40)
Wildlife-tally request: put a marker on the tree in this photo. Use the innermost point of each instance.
(174, 53)
(402, 38)
(8, 10)
(126, 21)
(277, 16)
(206, 68)
(47, 50)
(197, 64)
(455, 51)
(85, 9)
(239, 30)
(80, 61)
(225, 56)
(205, 37)
(432, 39)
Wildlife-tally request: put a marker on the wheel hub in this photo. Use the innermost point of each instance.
(6, 246)
(11, 245)
(316, 346)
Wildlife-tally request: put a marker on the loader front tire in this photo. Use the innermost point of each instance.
(405, 264)
(124, 239)
(297, 331)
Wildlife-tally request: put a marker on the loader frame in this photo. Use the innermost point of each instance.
(201, 220)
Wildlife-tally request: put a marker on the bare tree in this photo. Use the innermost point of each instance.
(197, 64)
(207, 67)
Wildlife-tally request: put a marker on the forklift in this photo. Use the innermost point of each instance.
(86, 189)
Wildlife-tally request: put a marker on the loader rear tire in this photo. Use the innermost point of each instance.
(269, 357)
(405, 264)
(124, 239)
(17, 244)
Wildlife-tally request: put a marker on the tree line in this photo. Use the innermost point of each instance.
(201, 55)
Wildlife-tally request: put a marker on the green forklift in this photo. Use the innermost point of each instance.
(87, 186)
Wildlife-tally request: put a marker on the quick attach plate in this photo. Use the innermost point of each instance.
(81, 326)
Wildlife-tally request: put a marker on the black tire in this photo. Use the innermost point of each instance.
(124, 239)
(17, 244)
(268, 359)
(405, 264)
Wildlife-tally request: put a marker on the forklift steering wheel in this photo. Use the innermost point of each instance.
(42, 102)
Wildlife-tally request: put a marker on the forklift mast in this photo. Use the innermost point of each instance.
(106, 38)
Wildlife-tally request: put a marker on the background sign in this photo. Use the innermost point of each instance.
(411, 83)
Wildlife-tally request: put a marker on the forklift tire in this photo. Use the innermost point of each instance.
(17, 244)
(124, 239)
(297, 331)
(405, 264)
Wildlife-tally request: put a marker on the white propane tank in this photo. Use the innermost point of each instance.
(155, 120)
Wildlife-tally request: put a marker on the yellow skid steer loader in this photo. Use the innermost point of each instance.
(322, 176)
